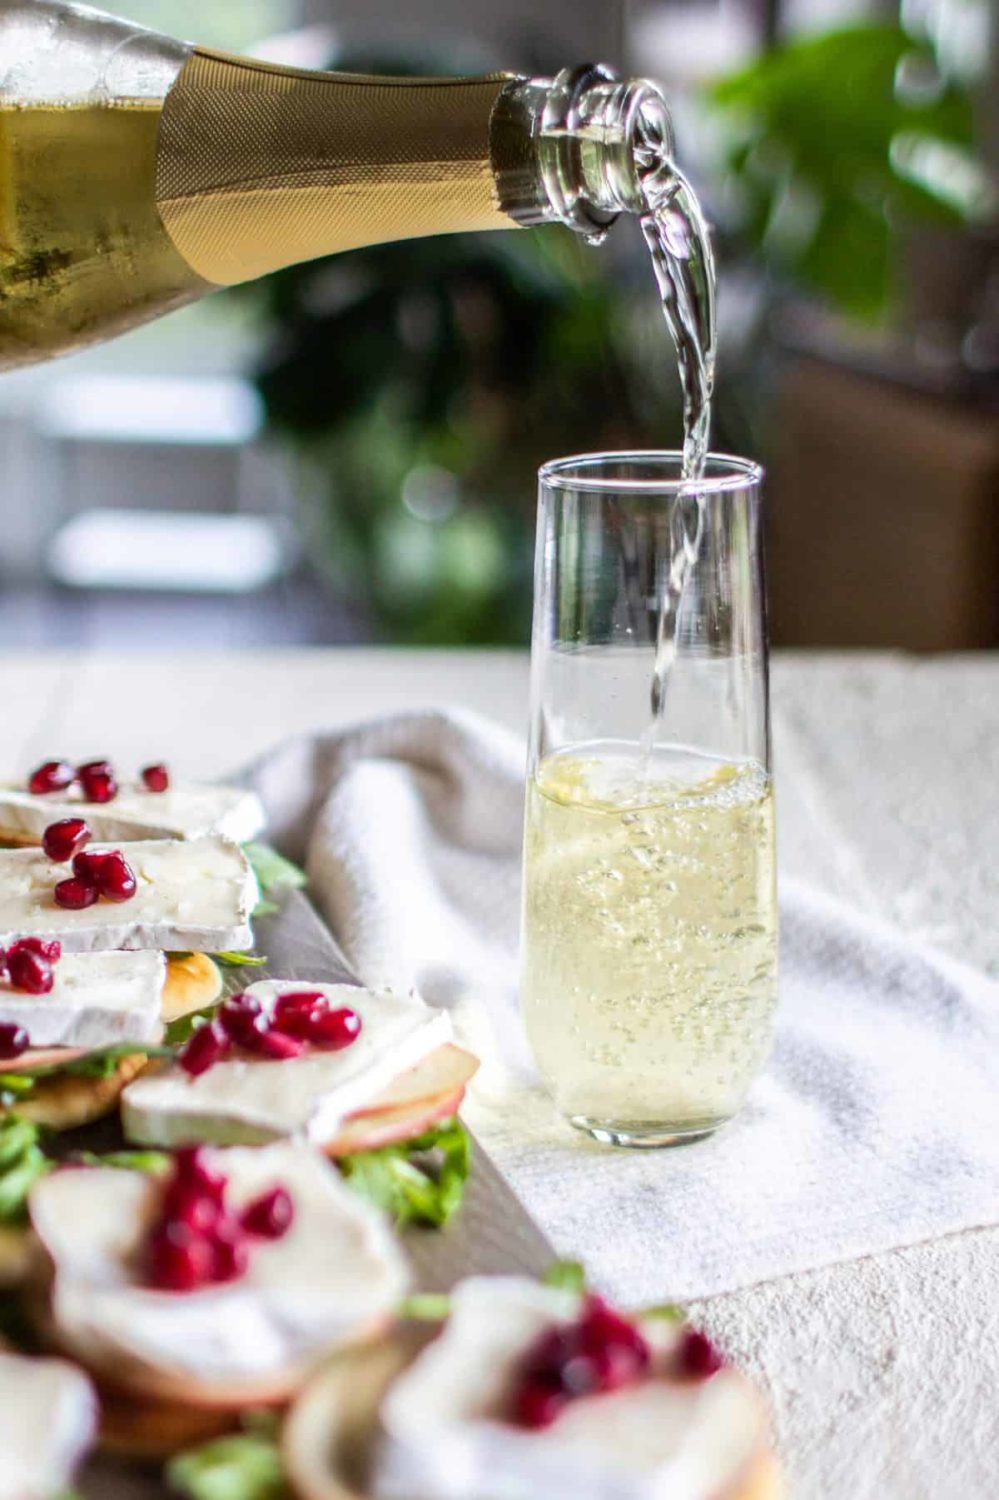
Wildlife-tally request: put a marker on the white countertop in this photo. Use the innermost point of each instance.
(887, 778)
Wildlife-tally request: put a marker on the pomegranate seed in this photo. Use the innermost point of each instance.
(230, 1256)
(184, 1205)
(301, 1022)
(53, 776)
(47, 948)
(275, 1044)
(3, 962)
(97, 780)
(13, 1040)
(88, 866)
(192, 1167)
(116, 879)
(537, 1406)
(29, 972)
(697, 1356)
(155, 778)
(335, 1029)
(270, 1216)
(293, 1002)
(178, 1259)
(74, 894)
(243, 1021)
(64, 839)
(203, 1049)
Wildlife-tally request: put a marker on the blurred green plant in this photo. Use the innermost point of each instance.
(423, 383)
(839, 144)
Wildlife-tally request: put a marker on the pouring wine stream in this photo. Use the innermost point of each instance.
(683, 263)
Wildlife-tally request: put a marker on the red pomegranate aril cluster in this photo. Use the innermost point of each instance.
(198, 1240)
(602, 1351)
(300, 1019)
(29, 964)
(96, 875)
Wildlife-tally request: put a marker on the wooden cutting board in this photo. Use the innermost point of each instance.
(491, 1233)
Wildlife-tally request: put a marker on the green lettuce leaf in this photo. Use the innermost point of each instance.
(566, 1275)
(411, 1190)
(244, 1467)
(272, 870)
(22, 1163)
(241, 960)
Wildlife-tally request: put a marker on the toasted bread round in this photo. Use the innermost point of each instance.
(330, 1431)
(16, 1255)
(70, 1100)
(193, 981)
(156, 1429)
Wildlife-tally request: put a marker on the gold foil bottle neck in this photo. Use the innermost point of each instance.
(259, 167)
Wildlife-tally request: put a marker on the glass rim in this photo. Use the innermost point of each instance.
(731, 473)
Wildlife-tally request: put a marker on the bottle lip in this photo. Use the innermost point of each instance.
(560, 123)
(659, 471)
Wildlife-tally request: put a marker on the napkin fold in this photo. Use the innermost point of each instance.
(873, 1126)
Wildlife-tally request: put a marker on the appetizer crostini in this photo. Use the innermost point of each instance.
(528, 1390)
(48, 1422)
(344, 1068)
(217, 1283)
(85, 985)
(148, 805)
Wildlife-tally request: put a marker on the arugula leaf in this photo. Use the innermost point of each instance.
(178, 1031)
(667, 1311)
(415, 1192)
(14, 1086)
(266, 909)
(272, 869)
(100, 1062)
(240, 960)
(425, 1307)
(152, 1162)
(244, 1467)
(22, 1162)
(566, 1276)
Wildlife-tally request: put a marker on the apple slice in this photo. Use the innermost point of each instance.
(417, 1099)
(45, 1057)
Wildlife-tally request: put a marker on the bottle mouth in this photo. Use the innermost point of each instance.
(601, 141)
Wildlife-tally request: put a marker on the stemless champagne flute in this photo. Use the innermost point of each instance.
(649, 967)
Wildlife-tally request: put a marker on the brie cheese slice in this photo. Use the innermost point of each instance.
(663, 1439)
(97, 1000)
(249, 1100)
(192, 896)
(335, 1273)
(48, 1420)
(182, 812)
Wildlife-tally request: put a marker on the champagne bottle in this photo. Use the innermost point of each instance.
(139, 173)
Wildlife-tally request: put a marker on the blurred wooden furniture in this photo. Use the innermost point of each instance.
(883, 515)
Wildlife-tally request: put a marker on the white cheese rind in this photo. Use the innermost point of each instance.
(192, 896)
(97, 1000)
(663, 1439)
(334, 1274)
(48, 1420)
(251, 1100)
(184, 812)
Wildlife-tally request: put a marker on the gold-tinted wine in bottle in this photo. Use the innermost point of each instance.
(138, 173)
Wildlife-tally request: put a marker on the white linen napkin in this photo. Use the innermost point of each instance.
(873, 1126)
